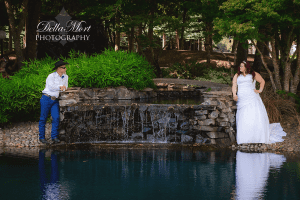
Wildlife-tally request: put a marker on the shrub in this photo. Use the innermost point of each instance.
(111, 68)
(20, 95)
(278, 105)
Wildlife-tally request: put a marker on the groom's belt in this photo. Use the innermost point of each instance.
(52, 97)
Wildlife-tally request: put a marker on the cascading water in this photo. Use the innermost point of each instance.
(126, 123)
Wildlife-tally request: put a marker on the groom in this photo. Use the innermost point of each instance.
(55, 82)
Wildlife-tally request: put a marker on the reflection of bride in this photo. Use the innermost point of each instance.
(252, 171)
(252, 121)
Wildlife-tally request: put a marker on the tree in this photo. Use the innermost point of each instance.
(34, 8)
(281, 21)
(21, 11)
(208, 10)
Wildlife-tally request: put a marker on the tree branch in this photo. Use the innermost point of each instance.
(265, 65)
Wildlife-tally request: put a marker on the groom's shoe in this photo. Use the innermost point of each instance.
(55, 140)
(44, 141)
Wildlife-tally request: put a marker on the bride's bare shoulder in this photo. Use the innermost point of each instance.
(258, 77)
(256, 73)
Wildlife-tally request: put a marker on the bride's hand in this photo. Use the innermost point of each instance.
(256, 91)
(235, 97)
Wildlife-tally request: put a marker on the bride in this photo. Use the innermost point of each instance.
(252, 121)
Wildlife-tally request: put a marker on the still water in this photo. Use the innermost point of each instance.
(147, 174)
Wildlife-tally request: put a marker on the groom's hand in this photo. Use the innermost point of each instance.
(63, 88)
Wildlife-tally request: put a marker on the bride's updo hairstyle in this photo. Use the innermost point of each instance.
(248, 69)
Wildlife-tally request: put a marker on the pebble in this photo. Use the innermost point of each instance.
(23, 135)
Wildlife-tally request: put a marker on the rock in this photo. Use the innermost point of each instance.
(212, 141)
(147, 90)
(186, 139)
(223, 142)
(216, 135)
(150, 137)
(201, 112)
(209, 102)
(123, 93)
(222, 115)
(226, 110)
(213, 114)
(136, 136)
(207, 122)
(225, 124)
(200, 117)
(200, 139)
(222, 119)
(206, 128)
(221, 104)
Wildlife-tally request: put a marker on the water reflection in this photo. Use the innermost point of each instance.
(50, 188)
(252, 172)
(96, 173)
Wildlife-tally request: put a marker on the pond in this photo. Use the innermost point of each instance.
(97, 173)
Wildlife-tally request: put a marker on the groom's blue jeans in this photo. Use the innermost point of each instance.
(48, 104)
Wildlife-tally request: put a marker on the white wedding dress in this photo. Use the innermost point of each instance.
(252, 121)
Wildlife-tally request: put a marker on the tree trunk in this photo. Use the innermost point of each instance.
(295, 81)
(177, 40)
(234, 64)
(16, 31)
(111, 36)
(150, 36)
(34, 8)
(234, 45)
(10, 40)
(164, 41)
(242, 53)
(138, 41)
(107, 32)
(266, 67)
(275, 63)
(117, 37)
(208, 41)
(266, 50)
(130, 39)
(182, 29)
(286, 61)
(257, 64)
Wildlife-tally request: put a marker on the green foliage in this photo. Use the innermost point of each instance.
(20, 95)
(284, 94)
(208, 89)
(111, 68)
(198, 71)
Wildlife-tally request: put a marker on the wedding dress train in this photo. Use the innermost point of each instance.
(252, 121)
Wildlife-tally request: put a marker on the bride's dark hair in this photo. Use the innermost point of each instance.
(249, 70)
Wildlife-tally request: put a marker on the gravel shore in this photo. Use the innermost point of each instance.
(23, 134)
(26, 135)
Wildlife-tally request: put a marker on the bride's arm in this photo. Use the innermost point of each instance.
(261, 81)
(234, 86)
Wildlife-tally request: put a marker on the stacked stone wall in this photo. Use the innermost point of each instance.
(214, 119)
